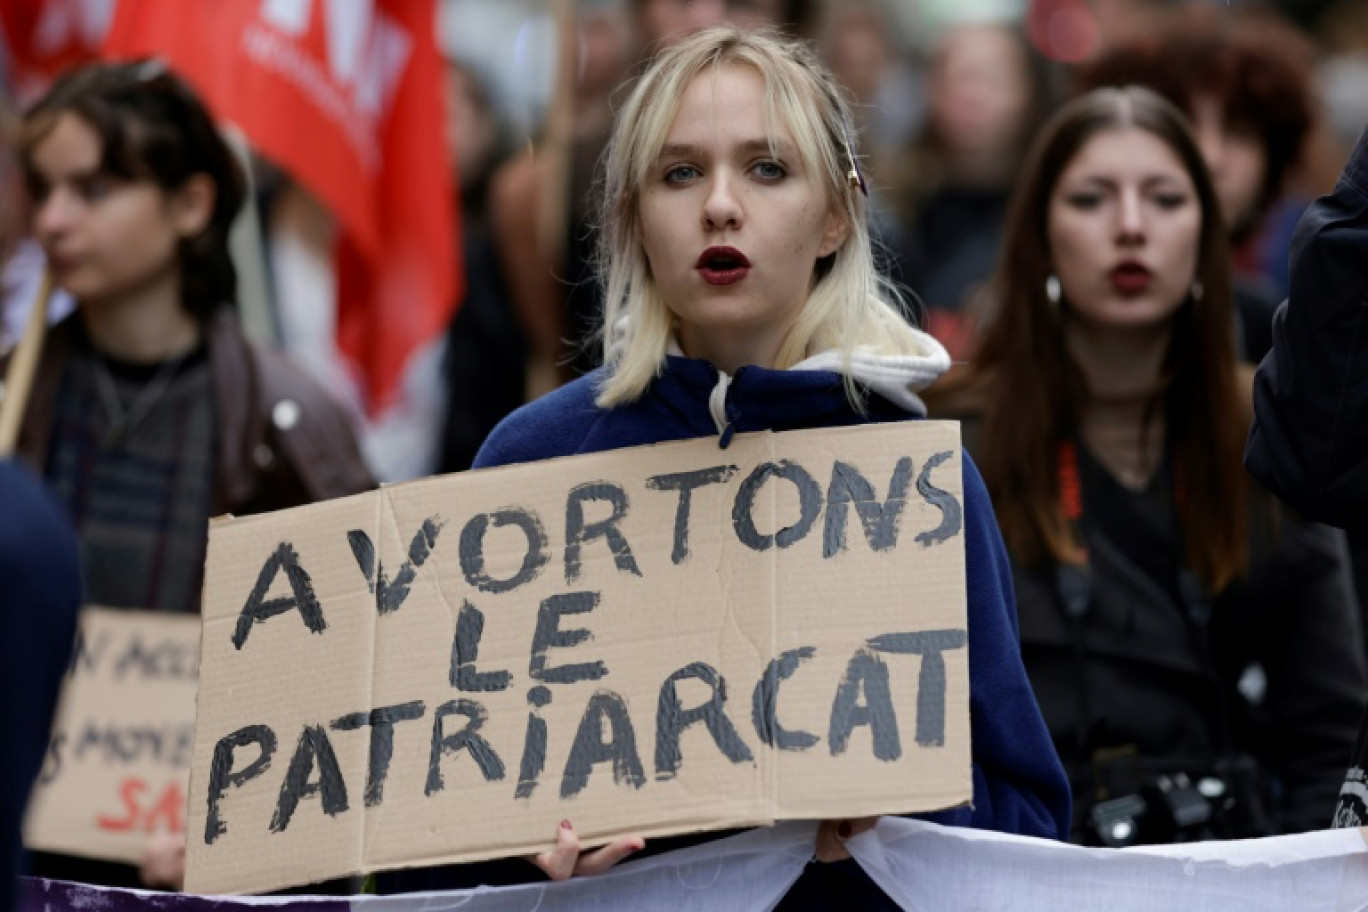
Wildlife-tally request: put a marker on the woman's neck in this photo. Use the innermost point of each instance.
(144, 327)
(1121, 423)
(729, 352)
(1118, 363)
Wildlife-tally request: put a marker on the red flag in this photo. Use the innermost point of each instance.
(345, 95)
(44, 37)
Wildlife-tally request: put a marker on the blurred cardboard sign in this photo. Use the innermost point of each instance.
(118, 762)
(656, 640)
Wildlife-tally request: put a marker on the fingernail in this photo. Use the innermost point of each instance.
(565, 825)
(843, 830)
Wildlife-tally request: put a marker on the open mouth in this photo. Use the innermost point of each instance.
(722, 265)
(1131, 278)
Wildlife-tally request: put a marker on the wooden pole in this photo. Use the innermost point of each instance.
(23, 365)
(559, 137)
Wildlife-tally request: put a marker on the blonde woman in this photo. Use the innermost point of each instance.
(741, 296)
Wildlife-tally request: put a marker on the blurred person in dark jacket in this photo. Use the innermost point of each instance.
(485, 364)
(38, 604)
(1309, 443)
(983, 104)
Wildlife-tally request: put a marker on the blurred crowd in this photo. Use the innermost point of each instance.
(948, 98)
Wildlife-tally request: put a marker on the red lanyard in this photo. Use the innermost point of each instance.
(1071, 493)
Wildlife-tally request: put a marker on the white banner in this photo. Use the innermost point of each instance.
(921, 865)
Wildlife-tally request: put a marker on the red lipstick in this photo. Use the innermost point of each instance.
(722, 265)
(1131, 278)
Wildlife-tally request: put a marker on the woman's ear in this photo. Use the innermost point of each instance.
(192, 206)
(834, 235)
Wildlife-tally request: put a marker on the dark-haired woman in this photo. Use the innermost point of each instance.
(1194, 650)
(150, 411)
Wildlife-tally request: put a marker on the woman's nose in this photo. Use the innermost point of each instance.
(53, 214)
(721, 207)
(1130, 216)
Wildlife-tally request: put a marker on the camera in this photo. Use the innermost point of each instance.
(1171, 809)
(1227, 800)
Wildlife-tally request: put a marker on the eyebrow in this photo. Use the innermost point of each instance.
(750, 146)
(1145, 182)
(85, 174)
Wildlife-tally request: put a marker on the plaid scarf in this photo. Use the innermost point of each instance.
(140, 503)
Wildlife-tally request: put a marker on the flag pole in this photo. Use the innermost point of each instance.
(23, 364)
(560, 125)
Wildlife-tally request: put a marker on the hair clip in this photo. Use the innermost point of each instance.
(854, 177)
(856, 180)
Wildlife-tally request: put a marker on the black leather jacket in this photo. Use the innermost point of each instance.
(1309, 443)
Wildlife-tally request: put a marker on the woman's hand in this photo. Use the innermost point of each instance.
(163, 862)
(566, 859)
(832, 834)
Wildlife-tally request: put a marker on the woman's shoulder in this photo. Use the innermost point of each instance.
(292, 413)
(958, 395)
(554, 425)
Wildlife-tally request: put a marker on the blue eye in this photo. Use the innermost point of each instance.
(680, 174)
(770, 171)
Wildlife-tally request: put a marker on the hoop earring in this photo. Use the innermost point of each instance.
(1198, 291)
(1053, 293)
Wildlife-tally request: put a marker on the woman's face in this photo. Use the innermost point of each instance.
(732, 231)
(105, 237)
(1236, 157)
(980, 90)
(1124, 227)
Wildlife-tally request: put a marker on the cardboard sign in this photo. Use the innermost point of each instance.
(118, 762)
(656, 640)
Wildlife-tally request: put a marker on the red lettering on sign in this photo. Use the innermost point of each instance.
(128, 791)
(167, 812)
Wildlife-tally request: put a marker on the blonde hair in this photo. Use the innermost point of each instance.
(850, 305)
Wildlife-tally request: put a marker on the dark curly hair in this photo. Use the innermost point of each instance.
(1258, 69)
(153, 127)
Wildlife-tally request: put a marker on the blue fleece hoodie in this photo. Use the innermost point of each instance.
(1019, 784)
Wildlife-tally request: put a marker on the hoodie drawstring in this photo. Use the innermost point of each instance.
(717, 407)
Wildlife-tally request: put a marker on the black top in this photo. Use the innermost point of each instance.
(1257, 687)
